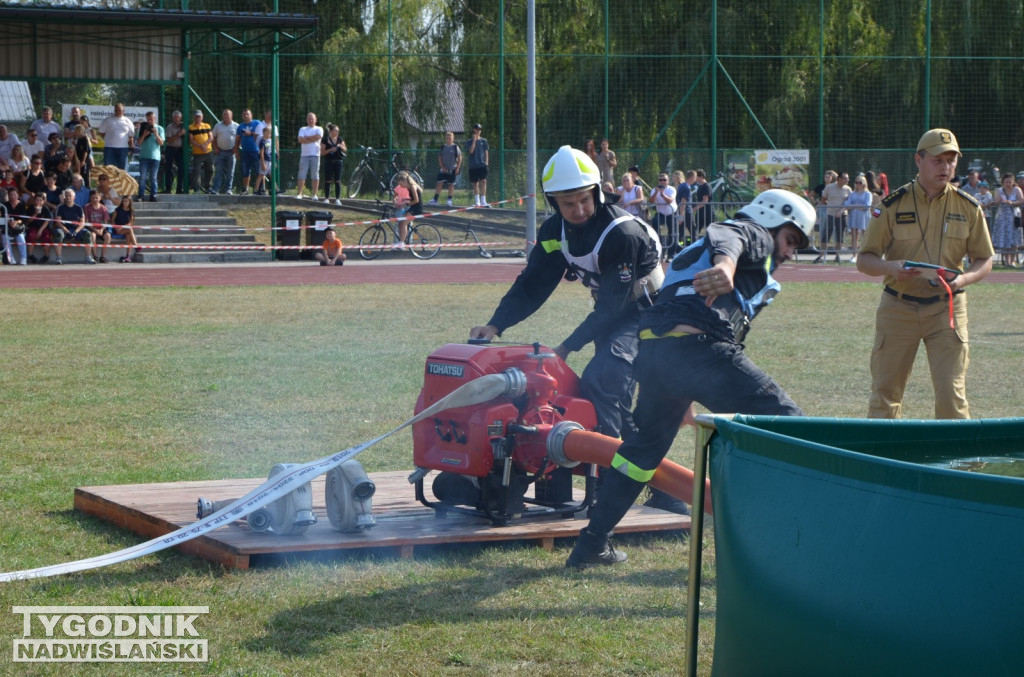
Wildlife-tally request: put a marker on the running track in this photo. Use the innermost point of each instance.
(456, 271)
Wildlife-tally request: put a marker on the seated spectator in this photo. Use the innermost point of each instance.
(332, 254)
(65, 177)
(7, 182)
(123, 222)
(54, 195)
(69, 224)
(32, 145)
(81, 190)
(37, 228)
(108, 194)
(97, 219)
(14, 233)
(7, 143)
(19, 166)
(34, 181)
(54, 152)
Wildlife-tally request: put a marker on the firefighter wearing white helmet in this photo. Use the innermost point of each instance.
(616, 256)
(691, 349)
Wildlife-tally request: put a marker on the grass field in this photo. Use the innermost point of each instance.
(156, 385)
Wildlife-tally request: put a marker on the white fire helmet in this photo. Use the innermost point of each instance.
(776, 207)
(570, 171)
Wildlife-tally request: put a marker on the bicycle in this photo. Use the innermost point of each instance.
(423, 240)
(726, 201)
(365, 176)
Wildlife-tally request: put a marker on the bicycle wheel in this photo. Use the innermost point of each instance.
(372, 242)
(424, 241)
(730, 205)
(355, 184)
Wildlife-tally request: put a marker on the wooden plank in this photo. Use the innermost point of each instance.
(403, 523)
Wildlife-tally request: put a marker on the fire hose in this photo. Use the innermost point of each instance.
(475, 392)
(568, 445)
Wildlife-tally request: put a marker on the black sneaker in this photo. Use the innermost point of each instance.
(667, 502)
(44, 259)
(32, 258)
(593, 550)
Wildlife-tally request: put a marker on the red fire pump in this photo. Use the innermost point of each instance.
(489, 454)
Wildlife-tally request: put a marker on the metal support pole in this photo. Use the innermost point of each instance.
(714, 88)
(531, 125)
(705, 429)
(501, 101)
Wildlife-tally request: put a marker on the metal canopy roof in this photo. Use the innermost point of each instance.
(142, 44)
(155, 18)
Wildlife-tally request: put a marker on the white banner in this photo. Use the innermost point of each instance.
(97, 114)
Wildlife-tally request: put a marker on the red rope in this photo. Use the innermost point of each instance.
(942, 278)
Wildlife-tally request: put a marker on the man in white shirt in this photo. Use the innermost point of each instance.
(663, 197)
(118, 134)
(46, 125)
(225, 134)
(7, 143)
(32, 145)
(309, 160)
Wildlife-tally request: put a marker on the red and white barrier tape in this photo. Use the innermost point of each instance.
(267, 247)
(225, 229)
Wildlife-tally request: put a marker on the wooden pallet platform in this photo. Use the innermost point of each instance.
(152, 510)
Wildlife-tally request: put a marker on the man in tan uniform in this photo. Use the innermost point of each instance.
(927, 221)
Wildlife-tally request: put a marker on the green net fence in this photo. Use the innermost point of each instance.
(853, 83)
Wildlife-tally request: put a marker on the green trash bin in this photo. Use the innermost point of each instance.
(289, 233)
(316, 224)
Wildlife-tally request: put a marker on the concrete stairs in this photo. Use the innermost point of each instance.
(196, 220)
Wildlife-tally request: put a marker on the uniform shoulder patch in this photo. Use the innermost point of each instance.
(970, 198)
(893, 196)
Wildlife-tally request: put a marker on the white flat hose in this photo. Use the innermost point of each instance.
(477, 391)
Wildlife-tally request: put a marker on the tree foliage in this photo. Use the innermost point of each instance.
(644, 74)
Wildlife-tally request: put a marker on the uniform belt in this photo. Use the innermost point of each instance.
(923, 300)
(648, 334)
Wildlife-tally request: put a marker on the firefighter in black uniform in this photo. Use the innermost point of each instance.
(617, 257)
(691, 349)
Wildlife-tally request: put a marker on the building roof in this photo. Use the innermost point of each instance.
(152, 18)
(449, 117)
(15, 102)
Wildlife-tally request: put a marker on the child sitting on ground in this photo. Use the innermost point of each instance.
(332, 255)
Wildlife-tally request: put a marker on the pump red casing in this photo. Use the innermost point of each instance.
(459, 440)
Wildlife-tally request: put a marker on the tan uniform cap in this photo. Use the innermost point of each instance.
(938, 141)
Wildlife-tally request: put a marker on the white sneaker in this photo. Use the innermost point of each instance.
(398, 246)
(337, 201)
(314, 198)
(298, 196)
(853, 259)
(432, 202)
(449, 202)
